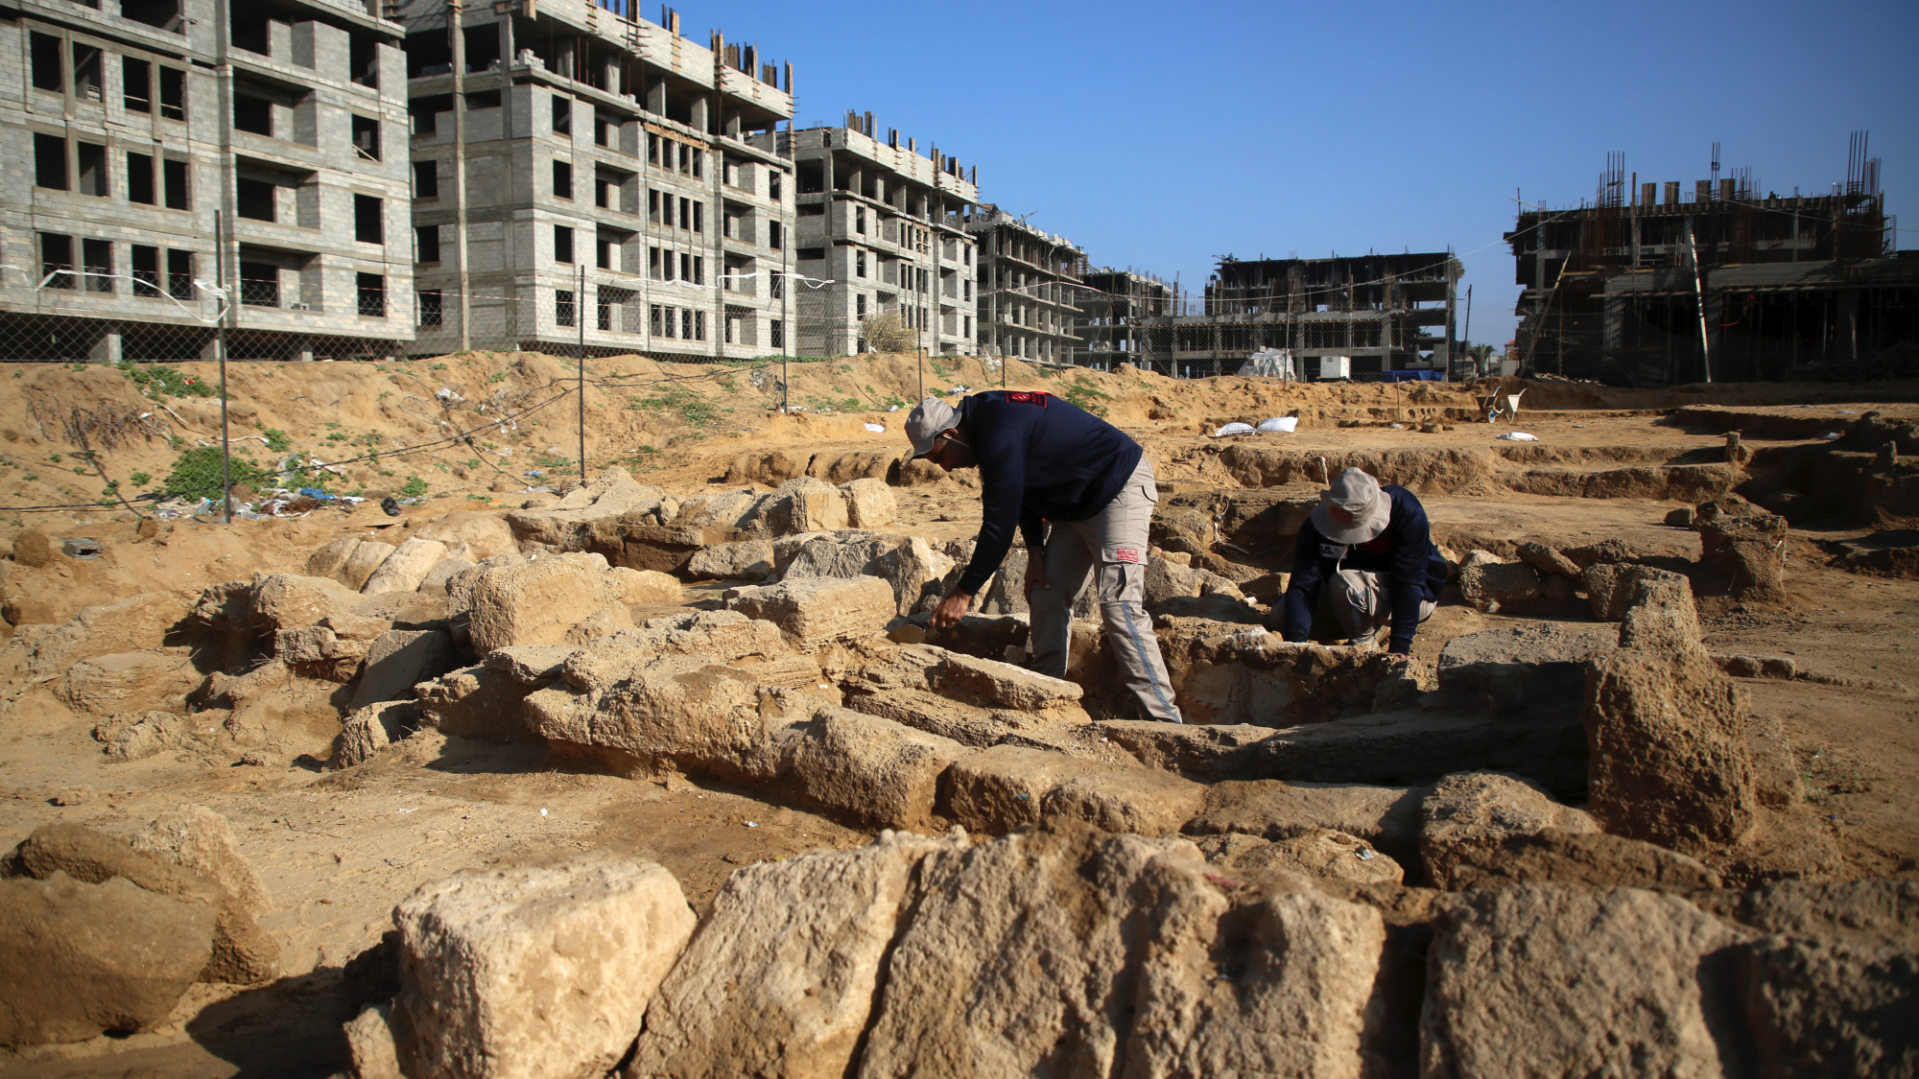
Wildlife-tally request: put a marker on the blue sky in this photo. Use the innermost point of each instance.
(1159, 137)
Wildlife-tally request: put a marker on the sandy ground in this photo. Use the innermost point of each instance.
(337, 851)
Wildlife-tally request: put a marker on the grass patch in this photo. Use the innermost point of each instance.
(159, 382)
(690, 407)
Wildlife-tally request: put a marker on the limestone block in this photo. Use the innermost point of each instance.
(780, 980)
(1386, 817)
(148, 736)
(1316, 853)
(874, 770)
(360, 562)
(86, 958)
(136, 624)
(406, 567)
(869, 503)
(748, 560)
(1660, 616)
(1609, 587)
(1224, 674)
(1748, 554)
(1476, 810)
(201, 840)
(441, 575)
(1516, 669)
(483, 702)
(484, 534)
(811, 612)
(1547, 560)
(368, 730)
(319, 652)
(644, 587)
(330, 560)
(1667, 734)
(1538, 979)
(991, 683)
(1490, 585)
(1824, 1008)
(371, 1042)
(717, 636)
(536, 603)
(534, 972)
(568, 524)
(682, 710)
(914, 569)
(1006, 787)
(1873, 912)
(1584, 859)
(284, 601)
(399, 660)
(128, 682)
(806, 504)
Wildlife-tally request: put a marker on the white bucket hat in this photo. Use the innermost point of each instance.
(1358, 494)
(929, 419)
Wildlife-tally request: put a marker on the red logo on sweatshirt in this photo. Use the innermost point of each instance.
(1028, 397)
(1126, 554)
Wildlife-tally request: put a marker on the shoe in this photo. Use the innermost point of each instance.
(1364, 644)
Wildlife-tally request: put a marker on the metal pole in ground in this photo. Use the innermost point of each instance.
(220, 345)
(579, 317)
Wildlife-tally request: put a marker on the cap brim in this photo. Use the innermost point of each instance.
(1362, 530)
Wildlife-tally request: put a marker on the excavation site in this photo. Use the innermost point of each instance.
(434, 761)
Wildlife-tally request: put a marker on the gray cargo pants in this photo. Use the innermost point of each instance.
(1111, 545)
(1356, 604)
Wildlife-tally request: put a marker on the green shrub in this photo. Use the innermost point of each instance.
(196, 473)
(414, 487)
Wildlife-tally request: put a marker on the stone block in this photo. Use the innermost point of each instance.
(128, 682)
(814, 611)
(1516, 669)
(781, 978)
(991, 683)
(399, 660)
(406, 567)
(1547, 560)
(1385, 817)
(534, 972)
(869, 503)
(536, 603)
(1231, 674)
(747, 560)
(1490, 585)
(284, 601)
(873, 770)
(679, 710)
(365, 732)
(441, 575)
(82, 959)
(1667, 734)
(483, 702)
(645, 587)
(483, 534)
(1475, 811)
(1313, 853)
(1579, 859)
(1747, 556)
(1007, 787)
(1540, 979)
(1660, 616)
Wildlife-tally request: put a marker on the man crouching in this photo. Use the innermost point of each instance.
(1365, 561)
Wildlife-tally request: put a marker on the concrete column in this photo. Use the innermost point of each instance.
(701, 105)
(656, 97)
(106, 348)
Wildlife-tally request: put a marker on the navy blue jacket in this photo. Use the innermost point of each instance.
(1405, 550)
(1040, 459)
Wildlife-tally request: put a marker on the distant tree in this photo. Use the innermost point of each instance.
(887, 332)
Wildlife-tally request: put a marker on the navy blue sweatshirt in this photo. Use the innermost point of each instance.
(1405, 550)
(1040, 459)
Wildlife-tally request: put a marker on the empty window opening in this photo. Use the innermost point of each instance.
(180, 275)
(253, 114)
(776, 333)
(562, 180)
(173, 93)
(367, 226)
(603, 130)
(86, 73)
(92, 160)
(859, 220)
(140, 185)
(145, 264)
(430, 307)
(363, 59)
(775, 235)
(98, 256)
(428, 53)
(50, 162)
(603, 257)
(482, 47)
(605, 310)
(56, 260)
(255, 199)
(164, 14)
(372, 289)
(564, 313)
(563, 116)
(426, 239)
(424, 112)
(699, 217)
(812, 254)
(562, 243)
(178, 191)
(49, 68)
(859, 263)
(426, 179)
(136, 84)
(249, 31)
(259, 284)
(366, 137)
(482, 99)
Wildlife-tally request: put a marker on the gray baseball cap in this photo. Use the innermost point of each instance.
(1356, 493)
(929, 419)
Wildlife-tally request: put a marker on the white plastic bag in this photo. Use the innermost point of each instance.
(1234, 429)
(1519, 436)
(1285, 425)
(875, 428)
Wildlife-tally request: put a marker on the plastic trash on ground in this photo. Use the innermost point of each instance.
(875, 427)
(1518, 436)
(1234, 429)
(1280, 425)
(1831, 436)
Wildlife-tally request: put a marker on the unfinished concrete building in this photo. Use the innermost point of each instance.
(586, 179)
(1118, 311)
(1651, 285)
(181, 165)
(1361, 315)
(1028, 286)
(882, 225)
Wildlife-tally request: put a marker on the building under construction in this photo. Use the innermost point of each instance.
(1650, 285)
(1379, 312)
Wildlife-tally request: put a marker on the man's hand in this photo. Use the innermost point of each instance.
(1035, 573)
(951, 609)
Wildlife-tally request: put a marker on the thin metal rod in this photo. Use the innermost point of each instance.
(220, 345)
(579, 318)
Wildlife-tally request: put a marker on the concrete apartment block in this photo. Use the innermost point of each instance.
(583, 177)
(153, 149)
(1029, 286)
(1117, 310)
(886, 226)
